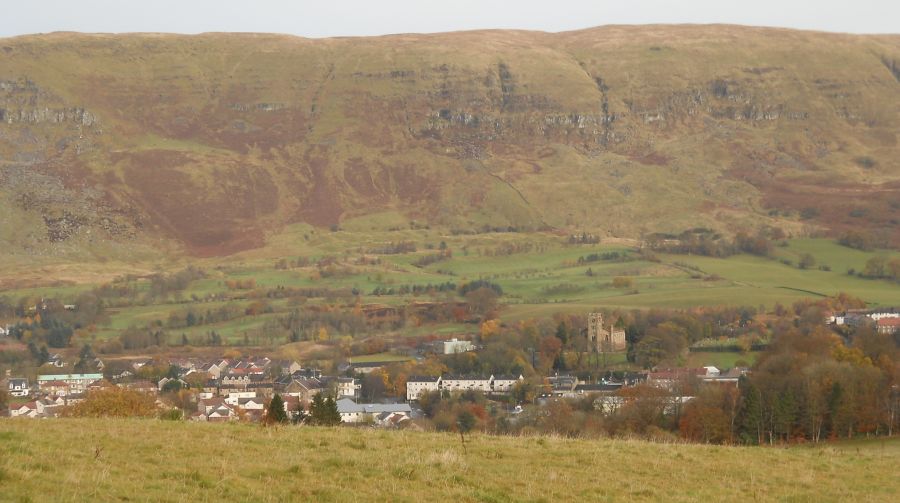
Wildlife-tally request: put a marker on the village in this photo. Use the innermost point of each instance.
(245, 388)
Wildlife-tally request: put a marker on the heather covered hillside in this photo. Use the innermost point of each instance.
(141, 145)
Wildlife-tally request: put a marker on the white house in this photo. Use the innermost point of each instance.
(466, 383)
(344, 387)
(352, 412)
(37, 408)
(504, 383)
(4, 331)
(18, 386)
(251, 403)
(416, 385)
(456, 346)
(234, 397)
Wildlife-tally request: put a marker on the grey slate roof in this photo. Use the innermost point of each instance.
(347, 406)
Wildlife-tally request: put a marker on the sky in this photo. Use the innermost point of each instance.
(329, 18)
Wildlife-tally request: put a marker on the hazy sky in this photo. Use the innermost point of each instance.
(325, 18)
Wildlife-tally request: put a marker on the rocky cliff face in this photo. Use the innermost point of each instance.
(214, 141)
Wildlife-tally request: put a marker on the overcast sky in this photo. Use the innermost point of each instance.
(327, 18)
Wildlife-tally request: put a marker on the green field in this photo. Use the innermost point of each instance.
(720, 360)
(149, 460)
(538, 282)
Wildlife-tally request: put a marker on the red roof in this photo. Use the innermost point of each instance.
(889, 322)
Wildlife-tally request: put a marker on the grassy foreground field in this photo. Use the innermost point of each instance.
(141, 460)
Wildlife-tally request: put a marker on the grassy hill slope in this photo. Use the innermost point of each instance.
(112, 145)
(134, 460)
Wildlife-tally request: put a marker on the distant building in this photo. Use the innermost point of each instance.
(605, 340)
(504, 383)
(77, 383)
(467, 383)
(378, 413)
(18, 386)
(417, 385)
(455, 346)
(888, 325)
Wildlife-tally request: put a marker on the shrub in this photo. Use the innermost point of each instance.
(622, 282)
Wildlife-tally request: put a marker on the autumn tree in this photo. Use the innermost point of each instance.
(114, 402)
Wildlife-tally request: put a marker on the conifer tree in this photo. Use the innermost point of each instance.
(276, 413)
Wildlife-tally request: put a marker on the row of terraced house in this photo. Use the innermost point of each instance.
(417, 385)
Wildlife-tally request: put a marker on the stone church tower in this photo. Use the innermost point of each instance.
(604, 340)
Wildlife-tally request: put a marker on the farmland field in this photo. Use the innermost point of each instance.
(109, 459)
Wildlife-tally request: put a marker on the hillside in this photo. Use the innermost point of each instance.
(140, 145)
(105, 460)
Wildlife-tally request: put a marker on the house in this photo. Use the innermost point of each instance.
(416, 385)
(206, 406)
(467, 383)
(352, 412)
(18, 386)
(251, 403)
(668, 378)
(504, 383)
(100, 385)
(54, 388)
(234, 397)
(731, 378)
(286, 367)
(392, 419)
(29, 409)
(562, 385)
(172, 382)
(602, 388)
(142, 386)
(304, 389)
(33, 409)
(138, 364)
(236, 380)
(455, 346)
(4, 331)
(56, 360)
(292, 406)
(366, 367)
(222, 414)
(887, 325)
(76, 382)
(344, 387)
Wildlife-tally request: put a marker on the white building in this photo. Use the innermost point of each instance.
(456, 346)
(466, 383)
(18, 387)
(234, 397)
(352, 412)
(504, 383)
(77, 382)
(416, 385)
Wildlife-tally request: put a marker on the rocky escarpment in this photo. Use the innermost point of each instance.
(216, 141)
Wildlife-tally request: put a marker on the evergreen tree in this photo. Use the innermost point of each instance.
(751, 414)
(44, 355)
(562, 333)
(785, 415)
(276, 413)
(323, 411)
(330, 415)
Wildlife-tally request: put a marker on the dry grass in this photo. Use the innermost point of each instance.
(159, 461)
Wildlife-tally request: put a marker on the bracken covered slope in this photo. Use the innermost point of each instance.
(210, 143)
